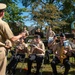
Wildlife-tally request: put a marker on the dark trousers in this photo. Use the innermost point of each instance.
(73, 54)
(66, 64)
(39, 60)
(11, 67)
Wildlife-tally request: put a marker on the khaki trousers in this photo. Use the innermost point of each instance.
(3, 61)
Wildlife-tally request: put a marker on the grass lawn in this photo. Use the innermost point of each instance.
(46, 68)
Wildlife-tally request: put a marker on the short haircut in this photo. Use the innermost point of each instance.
(62, 35)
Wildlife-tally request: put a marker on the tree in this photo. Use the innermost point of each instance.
(46, 13)
(13, 15)
(67, 7)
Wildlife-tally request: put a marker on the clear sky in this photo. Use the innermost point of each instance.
(27, 23)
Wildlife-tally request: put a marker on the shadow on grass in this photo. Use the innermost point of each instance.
(23, 72)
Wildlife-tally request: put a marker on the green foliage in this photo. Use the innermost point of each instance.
(63, 11)
(47, 14)
(13, 15)
(67, 7)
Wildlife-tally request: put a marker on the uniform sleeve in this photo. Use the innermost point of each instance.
(27, 33)
(26, 48)
(55, 48)
(69, 51)
(25, 45)
(53, 33)
(70, 47)
(43, 47)
(7, 31)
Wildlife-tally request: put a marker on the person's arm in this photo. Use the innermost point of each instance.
(51, 44)
(26, 48)
(54, 49)
(42, 49)
(73, 48)
(27, 33)
(15, 38)
(8, 34)
(69, 51)
(2, 44)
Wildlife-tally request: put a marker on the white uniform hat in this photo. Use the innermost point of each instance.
(2, 6)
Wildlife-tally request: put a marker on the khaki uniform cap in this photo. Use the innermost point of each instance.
(2, 6)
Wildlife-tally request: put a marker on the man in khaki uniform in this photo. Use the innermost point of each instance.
(22, 47)
(50, 33)
(21, 50)
(62, 52)
(5, 33)
(51, 44)
(26, 34)
(26, 31)
(37, 51)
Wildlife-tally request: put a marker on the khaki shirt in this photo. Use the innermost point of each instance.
(50, 34)
(27, 33)
(5, 31)
(72, 45)
(57, 49)
(22, 48)
(38, 52)
(51, 44)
